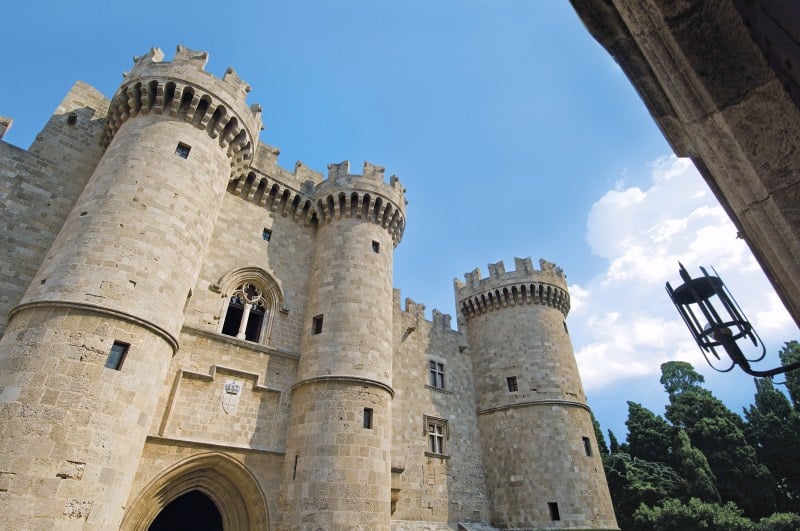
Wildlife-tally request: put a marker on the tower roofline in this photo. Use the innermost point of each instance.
(182, 89)
(365, 196)
(524, 285)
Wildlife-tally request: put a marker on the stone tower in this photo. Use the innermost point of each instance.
(86, 351)
(543, 469)
(337, 472)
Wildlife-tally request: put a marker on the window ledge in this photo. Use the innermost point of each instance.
(437, 456)
(439, 389)
(249, 345)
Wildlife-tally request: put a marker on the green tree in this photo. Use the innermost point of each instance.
(614, 446)
(679, 377)
(691, 464)
(598, 434)
(649, 436)
(773, 426)
(675, 515)
(633, 482)
(719, 434)
(790, 353)
(779, 522)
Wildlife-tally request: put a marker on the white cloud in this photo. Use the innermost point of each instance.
(622, 321)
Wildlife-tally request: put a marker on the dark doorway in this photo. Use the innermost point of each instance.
(193, 511)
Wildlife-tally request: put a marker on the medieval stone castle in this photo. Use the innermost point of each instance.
(196, 338)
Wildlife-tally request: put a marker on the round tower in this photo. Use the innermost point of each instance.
(543, 468)
(85, 354)
(338, 467)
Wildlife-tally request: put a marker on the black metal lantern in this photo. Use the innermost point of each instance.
(716, 320)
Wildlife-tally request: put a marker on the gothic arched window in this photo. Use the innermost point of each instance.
(251, 297)
(246, 314)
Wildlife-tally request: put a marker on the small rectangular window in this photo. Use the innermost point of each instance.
(117, 355)
(368, 418)
(376, 246)
(554, 514)
(436, 430)
(587, 446)
(316, 326)
(512, 383)
(183, 150)
(436, 371)
(266, 235)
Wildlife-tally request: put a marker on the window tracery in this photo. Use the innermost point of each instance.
(246, 314)
(251, 297)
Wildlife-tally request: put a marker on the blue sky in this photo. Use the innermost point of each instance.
(514, 133)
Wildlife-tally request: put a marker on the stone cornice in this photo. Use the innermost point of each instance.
(528, 403)
(346, 379)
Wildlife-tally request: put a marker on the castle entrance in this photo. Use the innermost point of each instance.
(192, 511)
(205, 492)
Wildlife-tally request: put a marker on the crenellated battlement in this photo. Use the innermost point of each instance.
(501, 289)
(370, 180)
(5, 125)
(442, 320)
(416, 311)
(312, 200)
(268, 185)
(183, 89)
(365, 196)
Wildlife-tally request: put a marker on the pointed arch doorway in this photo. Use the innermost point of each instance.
(220, 487)
(193, 511)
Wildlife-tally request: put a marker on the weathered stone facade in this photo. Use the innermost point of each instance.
(180, 314)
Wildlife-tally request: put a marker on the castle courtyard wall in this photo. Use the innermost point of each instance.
(428, 487)
(39, 186)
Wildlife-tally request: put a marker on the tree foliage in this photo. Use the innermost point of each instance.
(719, 434)
(649, 436)
(613, 443)
(679, 377)
(634, 482)
(691, 464)
(598, 434)
(702, 466)
(674, 515)
(773, 429)
(779, 522)
(790, 353)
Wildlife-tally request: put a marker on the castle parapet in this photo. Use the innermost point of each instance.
(184, 90)
(365, 196)
(441, 321)
(501, 289)
(5, 125)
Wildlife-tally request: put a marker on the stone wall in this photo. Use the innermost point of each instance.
(38, 187)
(427, 487)
(237, 243)
(72, 428)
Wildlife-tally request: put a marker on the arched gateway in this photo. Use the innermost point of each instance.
(220, 485)
(193, 510)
